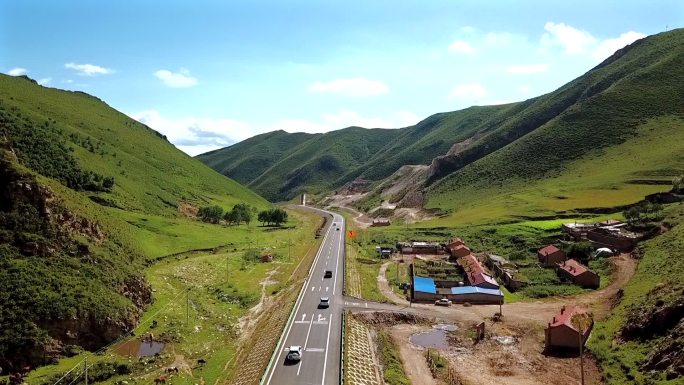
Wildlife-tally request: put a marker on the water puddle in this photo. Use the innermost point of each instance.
(136, 348)
(504, 340)
(435, 338)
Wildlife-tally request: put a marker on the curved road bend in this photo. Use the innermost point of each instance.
(317, 331)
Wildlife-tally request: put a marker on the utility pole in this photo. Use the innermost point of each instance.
(579, 332)
(289, 236)
(86, 370)
(187, 308)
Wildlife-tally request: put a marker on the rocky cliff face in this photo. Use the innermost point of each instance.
(37, 230)
(663, 322)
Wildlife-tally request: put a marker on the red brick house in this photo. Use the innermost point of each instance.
(562, 334)
(454, 242)
(550, 256)
(578, 274)
(476, 274)
(459, 251)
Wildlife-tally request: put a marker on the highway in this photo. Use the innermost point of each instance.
(316, 330)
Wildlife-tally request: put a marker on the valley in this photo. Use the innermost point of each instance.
(530, 242)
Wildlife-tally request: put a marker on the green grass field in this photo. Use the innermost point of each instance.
(222, 288)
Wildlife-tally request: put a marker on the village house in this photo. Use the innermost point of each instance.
(609, 233)
(561, 333)
(454, 242)
(578, 274)
(381, 222)
(550, 255)
(476, 274)
(506, 271)
(420, 247)
(426, 289)
(459, 251)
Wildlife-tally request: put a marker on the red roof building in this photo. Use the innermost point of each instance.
(454, 242)
(459, 251)
(578, 274)
(550, 256)
(562, 332)
(476, 274)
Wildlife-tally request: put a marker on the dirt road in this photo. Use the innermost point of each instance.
(491, 363)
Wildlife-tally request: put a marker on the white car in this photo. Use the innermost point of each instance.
(443, 302)
(325, 302)
(294, 353)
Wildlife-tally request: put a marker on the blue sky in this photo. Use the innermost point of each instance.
(210, 73)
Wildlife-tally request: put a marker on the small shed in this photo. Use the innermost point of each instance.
(561, 333)
(550, 256)
(267, 258)
(424, 289)
(578, 274)
(478, 295)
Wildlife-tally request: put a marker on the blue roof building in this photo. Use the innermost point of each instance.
(424, 285)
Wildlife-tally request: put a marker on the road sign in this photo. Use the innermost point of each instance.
(351, 233)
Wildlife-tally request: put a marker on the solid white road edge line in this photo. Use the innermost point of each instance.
(327, 343)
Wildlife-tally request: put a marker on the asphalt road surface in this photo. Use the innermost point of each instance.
(316, 330)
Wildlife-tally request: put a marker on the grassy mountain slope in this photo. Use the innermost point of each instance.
(250, 158)
(88, 197)
(487, 148)
(279, 165)
(623, 126)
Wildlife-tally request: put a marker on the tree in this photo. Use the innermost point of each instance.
(580, 251)
(211, 214)
(241, 212)
(274, 216)
(232, 217)
(582, 322)
(263, 217)
(644, 213)
(678, 184)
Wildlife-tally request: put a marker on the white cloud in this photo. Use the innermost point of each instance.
(468, 30)
(179, 79)
(527, 69)
(44, 81)
(609, 46)
(498, 38)
(356, 87)
(460, 46)
(471, 91)
(524, 89)
(88, 69)
(572, 40)
(17, 71)
(194, 135)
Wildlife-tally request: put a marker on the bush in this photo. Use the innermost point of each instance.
(211, 214)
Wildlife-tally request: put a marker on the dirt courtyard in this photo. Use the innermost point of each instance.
(506, 356)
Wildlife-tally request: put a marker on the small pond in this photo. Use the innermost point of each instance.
(136, 348)
(435, 338)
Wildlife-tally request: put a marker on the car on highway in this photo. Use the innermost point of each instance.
(327, 274)
(338, 229)
(294, 354)
(325, 302)
(443, 302)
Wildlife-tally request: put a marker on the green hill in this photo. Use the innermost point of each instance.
(612, 134)
(89, 197)
(632, 97)
(280, 165)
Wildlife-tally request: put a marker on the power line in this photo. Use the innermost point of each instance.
(121, 337)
